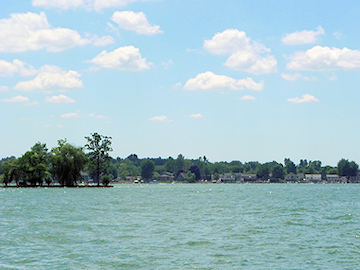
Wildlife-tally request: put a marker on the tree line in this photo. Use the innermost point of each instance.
(64, 164)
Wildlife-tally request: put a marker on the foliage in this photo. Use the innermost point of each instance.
(106, 179)
(35, 165)
(347, 168)
(278, 171)
(196, 171)
(147, 169)
(99, 147)
(67, 163)
(190, 177)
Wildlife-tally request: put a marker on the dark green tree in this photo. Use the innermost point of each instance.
(67, 163)
(196, 171)
(262, 171)
(35, 165)
(290, 166)
(347, 168)
(99, 147)
(11, 171)
(147, 169)
(278, 171)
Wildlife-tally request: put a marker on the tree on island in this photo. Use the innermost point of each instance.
(147, 169)
(67, 163)
(347, 168)
(99, 159)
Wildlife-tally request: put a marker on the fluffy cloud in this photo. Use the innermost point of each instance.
(302, 37)
(210, 81)
(59, 99)
(304, 99)
(196, 115)
(17, 66)
(16, 99)
(135, 21)
(31, 31)
(123, 58)
(245, 55)
(69, 115)
(248, 97)
(162, 118)
(294, 77)
(51, 77)
(103, 41)
(97, 5)
(4, 88)
(325, 58)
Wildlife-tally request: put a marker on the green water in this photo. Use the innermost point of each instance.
(213, 226)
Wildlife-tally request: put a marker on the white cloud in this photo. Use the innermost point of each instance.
(69, 115)
(97, 5)
(338, 35)
(17, 66)
(251, 62)
(210, 81)
(167, 64)
(304, 99)
(4, 88)
(162, 118)
(248, 97)
(325, 58)
(97, 116)
(296, 76)
(16, 99)
(135, 21)
(196, 115)
(51, 77)
(59, 99)
(245, 55)
(123, 58)
(103, 41)
(303, 37)
(32, 31)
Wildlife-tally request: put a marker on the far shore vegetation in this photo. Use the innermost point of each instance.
(91, 165)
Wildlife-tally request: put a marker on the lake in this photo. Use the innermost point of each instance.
(182, 226)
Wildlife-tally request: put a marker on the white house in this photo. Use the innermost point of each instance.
(294, 177)
(315, 178)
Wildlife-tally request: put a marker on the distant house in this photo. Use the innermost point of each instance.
(85, 177)
(181, 177)
(248, 178)
(294, 177)
(166, 176)
(227, 178)
(355, 179)
(334, 178)
(314, 178)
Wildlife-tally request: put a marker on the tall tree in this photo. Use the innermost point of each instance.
(35, 165)
(278, 171)
(67, 163)
(347, 168)
(290, 166)
(99, 159)
(147, 169)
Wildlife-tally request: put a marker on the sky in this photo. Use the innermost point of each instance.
(230, 80)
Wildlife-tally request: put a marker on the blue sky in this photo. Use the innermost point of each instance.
(231, 80)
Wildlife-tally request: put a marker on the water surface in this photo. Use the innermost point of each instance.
(212, 226)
